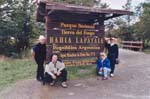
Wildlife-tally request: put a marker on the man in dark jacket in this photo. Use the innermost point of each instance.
(112, 54)
(39, 54)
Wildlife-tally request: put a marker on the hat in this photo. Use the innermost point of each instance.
(41, 37)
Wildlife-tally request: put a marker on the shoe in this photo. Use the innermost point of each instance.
(52, 83)
(104, 78)
(64, 84)
(40, 80)
(111, 75)
(43, 83)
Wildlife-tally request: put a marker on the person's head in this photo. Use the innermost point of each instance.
(42, 39)
(102, 55)
(112, 40)
(54, 58)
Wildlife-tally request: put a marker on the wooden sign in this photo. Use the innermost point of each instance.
(75, 32)
(77, 44)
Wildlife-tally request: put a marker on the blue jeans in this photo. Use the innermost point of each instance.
(104, 71)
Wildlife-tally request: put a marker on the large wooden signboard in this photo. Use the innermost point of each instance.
(76, 43)
(71, 32)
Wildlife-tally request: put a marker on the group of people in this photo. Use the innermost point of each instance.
(53, 70)
(106, 64)
(56, 68)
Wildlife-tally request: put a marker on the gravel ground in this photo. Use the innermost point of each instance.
(131, 81)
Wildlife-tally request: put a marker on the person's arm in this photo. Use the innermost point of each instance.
(107, 42)
(107, 63)
(32, 53)
(106, 45)
(62, 67)
(99, 65)
(47, 70)
(117, 51)
(34, 50)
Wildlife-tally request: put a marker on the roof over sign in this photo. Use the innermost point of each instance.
(60, 11)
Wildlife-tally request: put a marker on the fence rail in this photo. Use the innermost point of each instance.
(133, 45)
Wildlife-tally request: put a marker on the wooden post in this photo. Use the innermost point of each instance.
(141, 43)
(101, 30)
(49, 46)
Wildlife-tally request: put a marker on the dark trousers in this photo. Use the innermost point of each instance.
(63, 77)
(40, 69)
(112, 64)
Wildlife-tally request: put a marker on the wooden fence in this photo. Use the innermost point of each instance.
(133, 45)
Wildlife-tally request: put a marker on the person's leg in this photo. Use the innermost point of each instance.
(41, 69)
(106, 72)
(47, 78)
(41, 72)
(97, 71)
(100, 72)
(63, 75)
(38, 72)
(112, 63)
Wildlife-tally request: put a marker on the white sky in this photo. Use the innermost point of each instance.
(117, 4)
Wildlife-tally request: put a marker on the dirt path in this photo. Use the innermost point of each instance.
(131, 81)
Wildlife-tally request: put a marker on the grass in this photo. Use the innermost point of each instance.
(80, 72)
(147, 51)
(13, 70)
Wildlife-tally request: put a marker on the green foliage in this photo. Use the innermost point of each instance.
(14, 70)
(16, 27)
(80, 72)
(78, 2)
(144, 24)
(140, 31)
(121, 30)
(90, 3)
(142, 27)
(147, 51)
(17, 69)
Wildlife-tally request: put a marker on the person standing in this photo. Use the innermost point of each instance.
(39, 54)
(113, 53)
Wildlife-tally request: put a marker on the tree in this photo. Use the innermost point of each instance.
(77, 2)
(6, 26)
(15, 25)
(90, 3)
(143, 26)
(138, 31)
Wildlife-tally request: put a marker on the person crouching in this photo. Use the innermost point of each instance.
(54, 70)
(103, 66)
